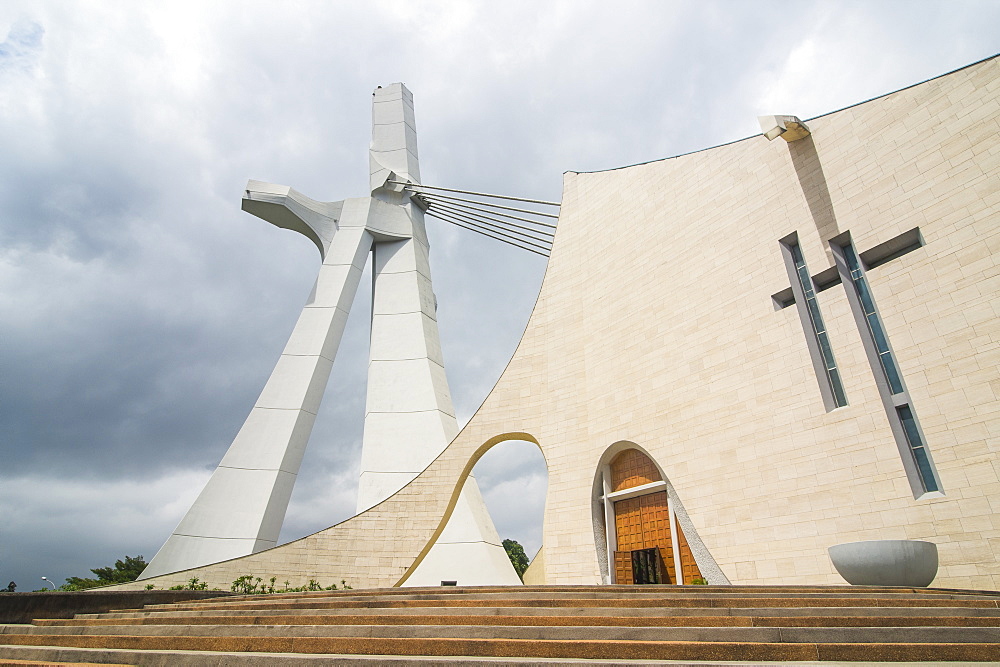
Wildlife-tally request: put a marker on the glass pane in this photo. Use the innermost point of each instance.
(891, 374)
(818, 328)
(824, 346)
(852, 259)
(866, 298)
(924, 466)
(909, 426)
(838, 389)
(796, 254)
(916, 443)
(878, 335)
(814, 313)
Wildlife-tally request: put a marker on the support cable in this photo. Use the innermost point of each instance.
(544, 235)
(409, 185)
(521, 236)
(427, 195)
(538, 243)
(474, 228)
(495, 238)
(434, 201)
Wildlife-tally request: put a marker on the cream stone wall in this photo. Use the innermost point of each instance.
(655, 325)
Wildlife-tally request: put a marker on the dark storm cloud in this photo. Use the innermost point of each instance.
(141, 311)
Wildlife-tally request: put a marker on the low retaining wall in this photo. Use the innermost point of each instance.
(23, 607)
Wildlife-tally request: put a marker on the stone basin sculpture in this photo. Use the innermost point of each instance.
(886, 562)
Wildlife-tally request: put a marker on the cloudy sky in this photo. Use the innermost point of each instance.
(141, 311)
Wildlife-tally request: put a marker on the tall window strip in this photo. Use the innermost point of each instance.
(916, 456)
(872, 321)
(817, 337)
(916, 443)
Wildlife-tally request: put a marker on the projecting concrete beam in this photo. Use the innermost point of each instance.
(788, 128)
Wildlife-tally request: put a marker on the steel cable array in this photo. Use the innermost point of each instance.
(529, 231)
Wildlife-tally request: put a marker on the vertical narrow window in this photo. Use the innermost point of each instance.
(872, 321)
(916, 456)
(817, 337)
(916, 443)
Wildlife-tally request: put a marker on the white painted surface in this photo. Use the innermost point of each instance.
(409, 416)
(243, 505)
(469, 550)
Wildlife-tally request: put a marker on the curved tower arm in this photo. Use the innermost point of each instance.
(241, 509)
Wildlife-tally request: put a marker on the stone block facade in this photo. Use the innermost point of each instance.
(656, 326)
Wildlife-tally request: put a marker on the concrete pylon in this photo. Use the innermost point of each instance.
(409, 417)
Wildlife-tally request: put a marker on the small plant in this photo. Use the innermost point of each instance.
(195, 585)
(699, 581)
(251, 585)
(247, 585)
(150, 587)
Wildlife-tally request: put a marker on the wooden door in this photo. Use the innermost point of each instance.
(643, 522)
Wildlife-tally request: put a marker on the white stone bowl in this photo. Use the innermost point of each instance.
(886, 562)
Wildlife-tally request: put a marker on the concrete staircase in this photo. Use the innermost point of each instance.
(605, 624)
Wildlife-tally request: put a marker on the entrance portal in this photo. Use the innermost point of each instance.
(650, 548)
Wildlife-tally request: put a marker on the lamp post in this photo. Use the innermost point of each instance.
(46, 580)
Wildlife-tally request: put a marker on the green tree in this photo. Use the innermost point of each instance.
(517, 557)
(122, 572)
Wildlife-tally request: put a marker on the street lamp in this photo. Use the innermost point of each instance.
(46, 580)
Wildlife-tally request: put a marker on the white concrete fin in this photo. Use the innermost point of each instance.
(404, 443)
(389, 112)
(388, 221)
(245, 512)
(286, 208)
(394, 135)
(789, 128)
(355, 212)
(421, 432)
(247, 502)
(402, 257)
(329, 292)
(254, 447)
(400, 160)
(297, 383)
(468, 564)
(319, 334)
(409, 417)
(469, 551)
(182, 552)
(408, 292)
(405, 336)
(374, 487)
(470, 521)
(410, 385)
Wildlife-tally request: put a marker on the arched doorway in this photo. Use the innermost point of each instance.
(645, 543)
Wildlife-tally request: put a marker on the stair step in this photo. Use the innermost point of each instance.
(621, 612)
(817, 634)
(542, 621)
(608, 624)
(532, 648)
(674, 602)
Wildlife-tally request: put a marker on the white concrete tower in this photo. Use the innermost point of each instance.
(409, 418)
